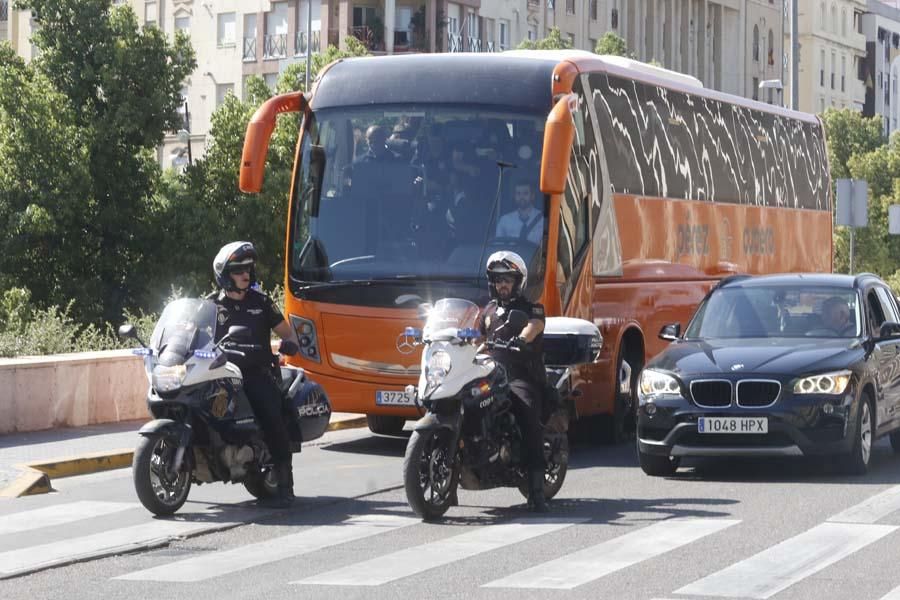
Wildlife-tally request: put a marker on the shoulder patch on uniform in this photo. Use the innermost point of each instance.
(538, 310)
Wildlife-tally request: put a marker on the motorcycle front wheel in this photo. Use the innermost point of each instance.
(429, 473)
(159, 490)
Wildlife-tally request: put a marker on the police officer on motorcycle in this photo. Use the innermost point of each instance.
(240, 304)
(507, 276)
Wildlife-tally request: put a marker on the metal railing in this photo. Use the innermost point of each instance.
(249, 53)
(474, 44)
(300, 43)
(454, 42)
(275, 46)
(367, 36)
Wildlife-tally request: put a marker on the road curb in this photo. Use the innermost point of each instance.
(35, 476)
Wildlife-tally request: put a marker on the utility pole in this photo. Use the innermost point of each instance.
(308, 41)
(795, 58)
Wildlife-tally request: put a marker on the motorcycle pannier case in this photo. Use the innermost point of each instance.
(569, 342)
(310, 407)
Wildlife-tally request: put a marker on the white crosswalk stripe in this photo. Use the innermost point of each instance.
(579, 568)
(417, 559)
(59, 514)
(253, 555)
(781, 566)
(894, 594)
(872, 509)
(114, 541)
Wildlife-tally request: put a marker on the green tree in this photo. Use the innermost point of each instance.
(204, 208)
(121, 84)
(849, 133)
(612, 44)
(553, 41)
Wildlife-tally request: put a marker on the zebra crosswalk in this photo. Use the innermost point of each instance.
(393, 547)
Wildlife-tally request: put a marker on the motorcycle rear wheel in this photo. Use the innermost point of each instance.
(429, 474)
(155, 487)
(261, 484)
(555, 471)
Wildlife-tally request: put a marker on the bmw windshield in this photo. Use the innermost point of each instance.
(400, 193)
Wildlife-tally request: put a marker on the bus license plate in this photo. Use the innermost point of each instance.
(733, 425)
(393, 398)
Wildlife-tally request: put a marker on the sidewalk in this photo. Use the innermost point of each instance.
(80, 450)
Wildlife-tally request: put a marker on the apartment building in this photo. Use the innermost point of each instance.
(881, 70)
(832, 55)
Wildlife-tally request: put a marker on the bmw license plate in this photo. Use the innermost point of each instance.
(733, 425)
(393, 398)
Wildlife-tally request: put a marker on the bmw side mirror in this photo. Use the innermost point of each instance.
(670, 332)
(239, 333)
(889, 329)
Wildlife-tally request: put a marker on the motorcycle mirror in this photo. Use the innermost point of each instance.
(127, 331)
(239, 333)
(517, 321)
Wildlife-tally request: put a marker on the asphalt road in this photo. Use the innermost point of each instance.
(719, 529)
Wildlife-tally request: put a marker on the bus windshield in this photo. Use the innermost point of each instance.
(401, 192)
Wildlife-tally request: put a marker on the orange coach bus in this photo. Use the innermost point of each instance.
(641, 189)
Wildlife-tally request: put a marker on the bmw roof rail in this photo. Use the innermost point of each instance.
(858, 279)
(732, 278)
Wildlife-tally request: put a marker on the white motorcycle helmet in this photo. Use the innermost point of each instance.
(505, 262)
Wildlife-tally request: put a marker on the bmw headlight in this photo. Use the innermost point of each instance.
(826, 383)
(439, 364)
(168, 379)
(655, 384)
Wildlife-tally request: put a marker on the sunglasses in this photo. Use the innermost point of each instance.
(504, 279)
(240, 269)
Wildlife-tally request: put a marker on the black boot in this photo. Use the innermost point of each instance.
(284, 496)
(536, 501)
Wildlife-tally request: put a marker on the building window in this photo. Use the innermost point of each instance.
(571, 37)
(771, 49)
(756, 88)
(532, 34)
(821, 68)
(226, 30)
(222, 90)
(844, 22)
(151, 16)
(822, 16)
(834, 25)
(843, 73)
(833, 68)
(504, 34)
(593, 10)
(614, 18)
(249, 51)
(857, 21)
(821, 104)
(271, 80)
(570, 7)
(183, 24)
(755, 43)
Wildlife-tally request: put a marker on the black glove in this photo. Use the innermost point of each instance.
(518, 342)
(288, 348)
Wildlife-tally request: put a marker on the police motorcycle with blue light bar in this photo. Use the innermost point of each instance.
(204, 429)
(468, 436)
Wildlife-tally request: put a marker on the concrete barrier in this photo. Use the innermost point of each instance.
(69, 390)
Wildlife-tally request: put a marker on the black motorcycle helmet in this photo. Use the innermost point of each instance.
(233, 256)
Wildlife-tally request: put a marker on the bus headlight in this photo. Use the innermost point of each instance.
(306, 335)
(826, 383)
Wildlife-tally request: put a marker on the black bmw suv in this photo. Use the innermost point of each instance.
(779, 365)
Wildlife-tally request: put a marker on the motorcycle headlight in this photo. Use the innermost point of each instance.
(655, 384)
(168, 379)
(439, 365)
(826, 383)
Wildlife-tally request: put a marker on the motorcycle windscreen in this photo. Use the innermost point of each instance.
(186, 325)
(448, 316)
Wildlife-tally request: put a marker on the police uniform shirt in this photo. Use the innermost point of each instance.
(257, 312)
(527, 363)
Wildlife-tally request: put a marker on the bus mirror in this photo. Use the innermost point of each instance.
(259, 131)
(316, 176)
(558, 137)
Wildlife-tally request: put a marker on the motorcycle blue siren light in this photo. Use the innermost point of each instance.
(412, 332)
(204, 354)
(142, 351)
(469, 333)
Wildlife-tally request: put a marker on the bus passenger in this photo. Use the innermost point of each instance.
(524, 223)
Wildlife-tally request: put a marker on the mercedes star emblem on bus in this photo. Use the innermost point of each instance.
(405, 344)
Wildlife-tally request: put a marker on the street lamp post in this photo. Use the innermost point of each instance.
(184, 134)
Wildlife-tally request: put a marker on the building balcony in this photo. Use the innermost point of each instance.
(249, 52)
(275, 46)
(301, 47)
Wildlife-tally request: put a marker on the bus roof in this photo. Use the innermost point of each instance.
(453, 78)
(512, 79)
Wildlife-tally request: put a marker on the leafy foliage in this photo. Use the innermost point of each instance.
(553, 41)
(612, 44)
